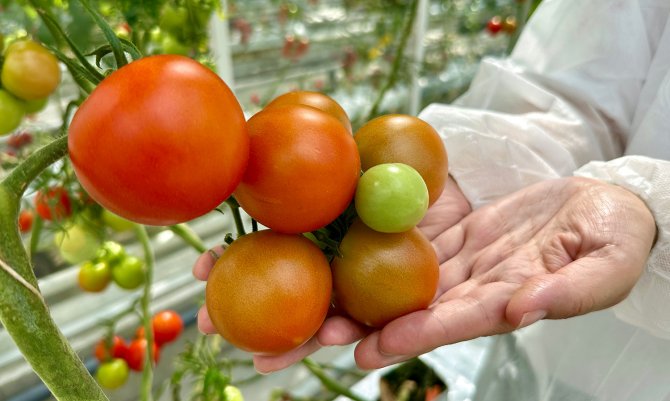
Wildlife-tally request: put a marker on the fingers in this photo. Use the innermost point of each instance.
(481, 313)
(338, 330)
(203, 265)
(585, 285)
(205, 324)
(269, 363)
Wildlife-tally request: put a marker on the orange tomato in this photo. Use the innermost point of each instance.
(269, 292)
(317, 100)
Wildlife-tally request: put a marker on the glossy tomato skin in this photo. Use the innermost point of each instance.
(30, 71)
(269, 292)
(112, 374)
(317, 100)
(167, 326)
(135, 354)
(399, 138)
(379, 276)
(160, 141)
(303, 169)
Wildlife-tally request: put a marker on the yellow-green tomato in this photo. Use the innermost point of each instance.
(111, 253)
(34, 106)
(391, 197)
(30, 71)
(113, 374)
(232, 393)
(94, 276)
(77, 243)
(116, 222)
(11, 112)
(129, 273)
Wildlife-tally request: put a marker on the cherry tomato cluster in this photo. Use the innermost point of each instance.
(303, 174)
(118, 357)
(30, 73)
(111, 264)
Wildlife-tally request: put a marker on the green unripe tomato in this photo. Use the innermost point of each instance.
(113, 374)
(391, 197)
(77, 243)
(232, 393)
(173, 19)
(116, 222)
(94, 277)
(129, 273)
(34, 106)
(111, 253)
(11, 110)
(172, 45)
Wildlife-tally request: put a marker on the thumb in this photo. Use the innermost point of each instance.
(585, 285)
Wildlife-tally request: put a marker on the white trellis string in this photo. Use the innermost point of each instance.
(20, 279)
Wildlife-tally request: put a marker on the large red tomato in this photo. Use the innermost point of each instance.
(269, 292)
(160, 141)
(303, 168)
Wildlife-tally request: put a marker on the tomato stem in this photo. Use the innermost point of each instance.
(190, 237)
(328, 382)
(147, 372)
(237, 217)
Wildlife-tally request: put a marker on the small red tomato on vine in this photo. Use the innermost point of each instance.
(53, 204)
(136, 351)
(118, 349)
(26, 218)
(494, 25)
(167, 326)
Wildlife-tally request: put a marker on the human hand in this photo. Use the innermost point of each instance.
(556, 249)
(449, 209)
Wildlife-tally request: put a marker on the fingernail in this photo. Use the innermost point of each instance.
(531, 317)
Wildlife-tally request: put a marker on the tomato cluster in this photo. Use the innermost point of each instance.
(304, 173)
(30, 73)
(118, 357)
(111, 263)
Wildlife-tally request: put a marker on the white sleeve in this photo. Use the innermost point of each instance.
(647, 304)
(566, 96)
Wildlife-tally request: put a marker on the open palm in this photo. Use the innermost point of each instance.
(556, 249)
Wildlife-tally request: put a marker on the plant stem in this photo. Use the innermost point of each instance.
(235, 210)
(185, 232)
(23, 312)
(328, 382)
(147, 372)
(397, 61)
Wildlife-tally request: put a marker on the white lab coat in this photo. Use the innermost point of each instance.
(586, 91)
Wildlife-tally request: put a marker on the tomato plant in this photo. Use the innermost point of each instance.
(11, 110)
(94, 276)
(380, 276)
(314, 99)
(128, 273)
(113, 374)
(53, 204)
(302, 171)
(167, 326)
(136, 351)
(30, 71)
(77, 242)
(391, 197)
(103, 352)
(398, 138)
(249, 292)
(183, 136)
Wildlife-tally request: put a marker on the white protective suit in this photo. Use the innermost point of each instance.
(585, 92)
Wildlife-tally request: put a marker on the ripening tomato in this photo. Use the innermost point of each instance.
(269, 292)
(160, 141)
(112, 374)
(379, 276)
(398, 138)
(94, 276)
(30, 71)
(118, 349)
(303, 169)
(314, 99)
(167, 326)
(77, 242)
(135, 354)
(53, 204)
(26, 218)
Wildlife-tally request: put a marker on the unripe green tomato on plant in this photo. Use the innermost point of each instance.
(111, 253)
(232, 393)
(116, 222)
(391, 197)
(128, 273)
(12, 111)
(94, 277)
(77, 243)
(30, 71)
(113, 374)
(37, 105)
